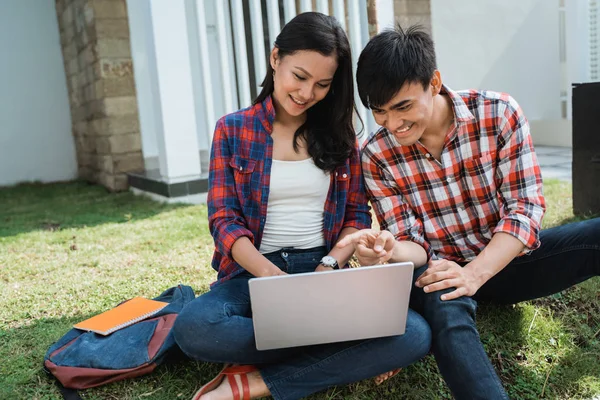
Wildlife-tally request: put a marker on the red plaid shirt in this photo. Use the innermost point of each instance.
(239, 176)
(488, 180)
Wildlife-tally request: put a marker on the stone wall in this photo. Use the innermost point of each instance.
(96, 52)
(410, 12)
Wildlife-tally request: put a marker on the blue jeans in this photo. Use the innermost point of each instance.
(217, 327)
(568, 255)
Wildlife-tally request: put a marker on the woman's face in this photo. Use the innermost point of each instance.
(301, 80)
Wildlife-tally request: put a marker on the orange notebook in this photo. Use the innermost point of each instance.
(123, 315)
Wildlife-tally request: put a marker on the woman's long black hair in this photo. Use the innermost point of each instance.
(328, 130)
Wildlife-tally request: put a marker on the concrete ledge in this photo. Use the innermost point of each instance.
(150, 182)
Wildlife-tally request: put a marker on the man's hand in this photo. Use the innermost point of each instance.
(371, 247)
(443, 274)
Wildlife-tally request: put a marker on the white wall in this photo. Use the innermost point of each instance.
(510, 46)
(146, 77)
(36, 143)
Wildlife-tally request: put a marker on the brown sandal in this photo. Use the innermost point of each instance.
(230, 371)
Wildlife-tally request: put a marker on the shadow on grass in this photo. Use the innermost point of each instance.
(52, 207)
(22, 375)
(501, 330)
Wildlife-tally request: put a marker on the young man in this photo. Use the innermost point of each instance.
(456, 187)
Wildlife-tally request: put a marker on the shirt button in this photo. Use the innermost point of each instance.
(449, 179)
(241, 168)
(427, 155)
(345, 176)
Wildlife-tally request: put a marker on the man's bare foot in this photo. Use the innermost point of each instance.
(257, 387)
(379, 379)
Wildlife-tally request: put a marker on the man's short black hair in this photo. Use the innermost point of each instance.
(391, 59)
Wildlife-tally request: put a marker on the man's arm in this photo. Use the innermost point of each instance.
(443, 274)
(519, 183)
(401, 237)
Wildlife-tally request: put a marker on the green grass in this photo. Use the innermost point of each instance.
(68, 251)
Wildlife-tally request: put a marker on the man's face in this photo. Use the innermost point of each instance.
(408, 113)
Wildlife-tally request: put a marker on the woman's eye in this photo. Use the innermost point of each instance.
(300, 78)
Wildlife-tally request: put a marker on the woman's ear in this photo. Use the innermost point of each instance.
(274, 57)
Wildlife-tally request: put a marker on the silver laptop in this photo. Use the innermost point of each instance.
(332, 306)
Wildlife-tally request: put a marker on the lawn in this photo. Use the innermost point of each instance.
(68, 251)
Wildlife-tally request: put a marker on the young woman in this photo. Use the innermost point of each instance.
(285, 186)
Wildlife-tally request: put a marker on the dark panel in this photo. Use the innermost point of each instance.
(586, 148)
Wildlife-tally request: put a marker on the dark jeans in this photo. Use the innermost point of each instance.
(217, 327)
(568, 255)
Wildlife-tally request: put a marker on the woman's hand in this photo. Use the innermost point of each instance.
(371, 247)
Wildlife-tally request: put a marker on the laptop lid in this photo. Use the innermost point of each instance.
(332, 306)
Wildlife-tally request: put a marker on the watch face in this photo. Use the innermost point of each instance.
(329, 261)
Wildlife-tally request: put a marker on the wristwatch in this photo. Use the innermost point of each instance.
(330, 262)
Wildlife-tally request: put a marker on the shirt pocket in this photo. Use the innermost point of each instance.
(243, 172)
(480, 186)
(342, 174)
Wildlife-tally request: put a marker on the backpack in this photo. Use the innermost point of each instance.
(81, 360)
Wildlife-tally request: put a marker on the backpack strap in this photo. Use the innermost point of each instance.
(67, 394)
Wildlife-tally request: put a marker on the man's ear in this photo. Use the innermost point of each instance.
(436, 83)
(274, 57)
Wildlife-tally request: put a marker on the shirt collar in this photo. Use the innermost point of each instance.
(266, 113)
(461, 111)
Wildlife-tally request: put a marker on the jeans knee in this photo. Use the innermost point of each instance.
(419, 333)
(192, 332)
(443, 315)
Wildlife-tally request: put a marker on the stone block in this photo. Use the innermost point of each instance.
(69, 51)
(128, 143)
(86, 160)
(114, 87)
(89, 55)
(103, 145)
(89, 93)
(90, 76)
(60, 7)
(104, 163)
(112, 28)
(72, 66)
(116, 125)
(120, 183)
(86, 12)
(106, 180)
(73, 82)
(87, 143)
(97, 69)
(419, 7)
(116, 68)
(86, 173)
(95, 110)
(124, 105)
(67, 16)
(109, 9)
(130, 162)
(80, 128)
(68, 33)
(113, 48)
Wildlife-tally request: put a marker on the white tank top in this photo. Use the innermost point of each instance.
(297, 195)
